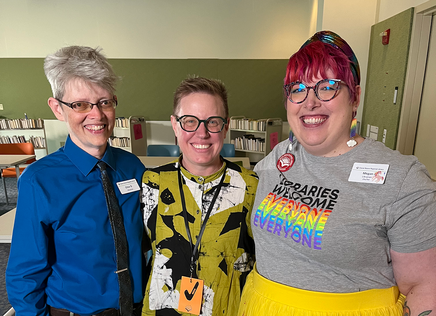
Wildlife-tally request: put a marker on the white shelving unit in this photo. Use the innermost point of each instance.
(130, 135)
(14, 131)
(254, 138)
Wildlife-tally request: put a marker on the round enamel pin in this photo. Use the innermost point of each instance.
(285, 162)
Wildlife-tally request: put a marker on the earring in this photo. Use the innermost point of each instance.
(353, 131)
(291, 139)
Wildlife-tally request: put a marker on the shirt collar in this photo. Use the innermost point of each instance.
(84, 161)
(201, 179)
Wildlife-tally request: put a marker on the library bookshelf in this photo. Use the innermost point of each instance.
(25, 130)
(254, 138)
(130, 135)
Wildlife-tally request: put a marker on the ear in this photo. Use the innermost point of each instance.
(226, 128)
(174, 124)
(357, 102)
(56, 108)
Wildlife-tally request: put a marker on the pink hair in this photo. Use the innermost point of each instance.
(316, 59)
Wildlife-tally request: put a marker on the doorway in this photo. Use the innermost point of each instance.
(425, 142)
(419, 100)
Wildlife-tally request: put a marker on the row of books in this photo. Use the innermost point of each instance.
(23, 123)
(121, 122)
(248, 124)
(119, 141)
(249, 142)
(37, 141)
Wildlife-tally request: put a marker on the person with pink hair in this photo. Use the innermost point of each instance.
(342, 225)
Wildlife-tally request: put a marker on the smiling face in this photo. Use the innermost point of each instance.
(323, 128)
(89, 131)
(201, 149)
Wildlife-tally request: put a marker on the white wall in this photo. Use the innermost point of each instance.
(389, 8)
(56, 133)
(352, 20)
(242, 29)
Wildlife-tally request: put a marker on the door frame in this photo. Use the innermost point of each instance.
(415, 76)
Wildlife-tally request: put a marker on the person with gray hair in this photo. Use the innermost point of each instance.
(65, 254)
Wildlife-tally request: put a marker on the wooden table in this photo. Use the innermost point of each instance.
(7, 226)
(7, 161)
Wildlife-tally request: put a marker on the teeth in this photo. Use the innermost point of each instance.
(314, 120)
(201, 146)
(95, 127)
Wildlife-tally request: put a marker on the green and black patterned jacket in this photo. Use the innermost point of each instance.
(226, 252)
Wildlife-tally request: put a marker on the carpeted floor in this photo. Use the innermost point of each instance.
(4, 254)
(11, 188)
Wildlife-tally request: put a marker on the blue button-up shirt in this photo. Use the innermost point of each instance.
(63, 251)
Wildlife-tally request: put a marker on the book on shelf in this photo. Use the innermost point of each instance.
(119, 141)
(38, 142)
(249, 142)
(122, 122)
(244, 123)
(24, 123)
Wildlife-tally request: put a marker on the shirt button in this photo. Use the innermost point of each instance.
(201, 179)
(198, 211)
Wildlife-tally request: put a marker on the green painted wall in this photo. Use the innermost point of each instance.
(147, 86)
(387, 66)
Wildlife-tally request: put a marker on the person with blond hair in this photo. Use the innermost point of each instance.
(197, 211)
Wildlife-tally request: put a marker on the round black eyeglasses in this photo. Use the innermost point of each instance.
(190, 123)
(325, 90)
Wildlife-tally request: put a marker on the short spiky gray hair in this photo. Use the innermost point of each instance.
(81, 62)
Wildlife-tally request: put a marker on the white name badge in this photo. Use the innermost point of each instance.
(128, 186)
(368, 173)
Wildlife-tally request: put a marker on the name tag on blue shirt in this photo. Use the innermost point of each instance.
(368, 173)
(128, 186)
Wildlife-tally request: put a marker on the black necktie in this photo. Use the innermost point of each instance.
(126, 295)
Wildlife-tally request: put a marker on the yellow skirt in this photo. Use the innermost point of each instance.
(262, 297)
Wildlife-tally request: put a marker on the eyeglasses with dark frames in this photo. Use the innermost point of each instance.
(190, 123)
(325, 90)
(84, 106)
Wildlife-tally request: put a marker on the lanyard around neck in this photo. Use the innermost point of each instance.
(203, 226)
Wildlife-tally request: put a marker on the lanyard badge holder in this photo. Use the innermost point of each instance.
(191, 289)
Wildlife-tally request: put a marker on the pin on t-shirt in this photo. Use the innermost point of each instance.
(285, 162)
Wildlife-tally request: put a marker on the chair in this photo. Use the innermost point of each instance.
(163, 150)
(15, 149)
(228, 150)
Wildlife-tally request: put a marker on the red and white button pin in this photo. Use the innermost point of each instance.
(285, 162)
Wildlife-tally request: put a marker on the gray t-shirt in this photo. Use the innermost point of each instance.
(315, 230)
